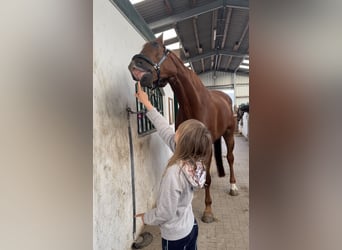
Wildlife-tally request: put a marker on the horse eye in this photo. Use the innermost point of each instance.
(155, 44)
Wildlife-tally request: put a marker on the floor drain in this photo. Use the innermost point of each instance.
(143, 240)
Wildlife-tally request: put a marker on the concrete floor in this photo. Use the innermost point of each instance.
(229, 231)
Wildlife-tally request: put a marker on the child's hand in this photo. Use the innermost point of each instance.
(142, 217)
(143, 98)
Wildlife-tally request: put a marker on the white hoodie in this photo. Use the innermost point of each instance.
(173, 212)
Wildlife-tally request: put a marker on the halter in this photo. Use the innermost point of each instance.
(156, 66)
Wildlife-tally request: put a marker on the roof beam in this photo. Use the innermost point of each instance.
(198, 45)
(225, 86)
(127, 9)
(213, 35)
(171, 41)
(240, 4)
(225, 32)
(239, 44)
(226, 25)
(224, 71)
(213, 28)
(168, 7)
(242, 36)
(182, 47)
(192, 3)
(228, 63)
(223, 52)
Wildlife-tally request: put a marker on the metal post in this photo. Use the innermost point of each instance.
(129, 112)
(132, 168)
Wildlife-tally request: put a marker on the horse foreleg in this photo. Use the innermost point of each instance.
(208, 216)
(229, 139)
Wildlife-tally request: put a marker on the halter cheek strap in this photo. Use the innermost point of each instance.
(166, 52)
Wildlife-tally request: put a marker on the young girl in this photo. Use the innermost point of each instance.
(184, 173)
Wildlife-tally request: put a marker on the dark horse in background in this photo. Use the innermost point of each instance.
(241, 110)
(156, 66)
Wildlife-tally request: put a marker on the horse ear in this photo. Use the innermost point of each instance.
(160, 38)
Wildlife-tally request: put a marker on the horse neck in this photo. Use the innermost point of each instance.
(187, 87)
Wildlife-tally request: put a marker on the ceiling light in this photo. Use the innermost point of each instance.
(245, 61)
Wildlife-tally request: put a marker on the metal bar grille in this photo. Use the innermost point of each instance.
(145, 126)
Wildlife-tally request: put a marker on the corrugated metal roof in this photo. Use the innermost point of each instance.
(195, 21)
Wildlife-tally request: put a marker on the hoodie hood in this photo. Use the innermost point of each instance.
(195, 175)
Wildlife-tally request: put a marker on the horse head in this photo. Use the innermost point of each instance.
(152, 66)
(241, 110)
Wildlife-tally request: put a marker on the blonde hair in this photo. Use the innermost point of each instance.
(194, 143)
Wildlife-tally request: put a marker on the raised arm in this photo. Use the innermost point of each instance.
(164, 130)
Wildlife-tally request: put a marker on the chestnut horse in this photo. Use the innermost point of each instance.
(156, 66)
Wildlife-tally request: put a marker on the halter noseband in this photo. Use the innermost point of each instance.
(156, 66)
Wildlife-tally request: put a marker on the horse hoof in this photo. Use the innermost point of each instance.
(207, 218)
(233, 192)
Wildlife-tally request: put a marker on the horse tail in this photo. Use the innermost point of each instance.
(218, 157)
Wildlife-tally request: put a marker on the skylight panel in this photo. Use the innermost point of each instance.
(167, 34)
(173, 46)
(136, 1)
(244, 66)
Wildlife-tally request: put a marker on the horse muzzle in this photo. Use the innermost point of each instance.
(147, 80)
(145, 77)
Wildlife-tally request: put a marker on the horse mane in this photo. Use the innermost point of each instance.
(193, 74)
(178, 59)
